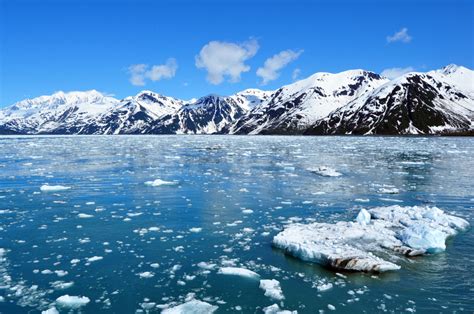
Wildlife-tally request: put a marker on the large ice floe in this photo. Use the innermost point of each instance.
(363, 245)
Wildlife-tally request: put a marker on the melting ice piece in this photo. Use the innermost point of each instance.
(272, 289)
(52, 310)
(388, 190)
(353, 246)
(275, 309)
(192, 307)
(363, 218)
(236, 271)
(159, 182)
(72, 302)
(53, 188)
(325, 171)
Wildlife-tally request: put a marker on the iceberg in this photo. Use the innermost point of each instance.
(191, 307)
(356, 245)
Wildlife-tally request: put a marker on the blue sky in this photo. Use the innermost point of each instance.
(189, 49)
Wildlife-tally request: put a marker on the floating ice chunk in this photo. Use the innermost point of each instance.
(159, 182)
(331, 307)
(275, 309)
(424, 238)
(324, 287)
(52, 310)
(247, 211)
(236, 271)
(363, 218)
(388, 190)
(84, 216)
(272, 289)
(205, 265)
(334, 245)
(146, 274)
(53, 188)
(72, 302)
(325, 171)
(195, 230)
(192, 307)
(94, 259)
(353, 246)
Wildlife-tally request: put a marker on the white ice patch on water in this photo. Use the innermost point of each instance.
(52, 310)
(159, 182)
(388, 190)
(192, 307)
(354, 246)
(325, 171)
(94, 259)
(53, 188)
(272, 289)
(72, 302)
(236, 271)
(363, 218)
(275, 309)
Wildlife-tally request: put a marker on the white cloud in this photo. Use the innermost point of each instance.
(401, 35)
(224, 59)
(296, 74)
(137, 74)
(269, 71)
(140, 72)
(396, 72)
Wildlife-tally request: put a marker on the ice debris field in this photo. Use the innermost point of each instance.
(204, 224)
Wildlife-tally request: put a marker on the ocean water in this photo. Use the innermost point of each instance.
(232, 195)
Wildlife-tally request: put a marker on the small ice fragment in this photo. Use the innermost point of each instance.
(159, 182)
(363, 218)
(72, 302)
(52, 310)
(53, 188)
(272, 289)
(236, 271)
(325, 171)
(146, 274)
(84, 216)
(193, 306)
(94, 259)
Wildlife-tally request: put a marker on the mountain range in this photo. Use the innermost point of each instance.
(354, 102)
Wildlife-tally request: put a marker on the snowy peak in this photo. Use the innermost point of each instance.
(349, 102)
(250, 98)
(414, 103)
(294, 107)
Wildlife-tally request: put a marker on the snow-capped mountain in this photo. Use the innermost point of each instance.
(207, 115)
(61, 112)
(294, 107)
(134, 115)
(350, 102)
(436, 102)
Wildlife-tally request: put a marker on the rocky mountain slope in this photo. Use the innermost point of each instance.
(350, 102)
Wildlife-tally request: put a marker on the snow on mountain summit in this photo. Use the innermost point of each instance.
(349, 102)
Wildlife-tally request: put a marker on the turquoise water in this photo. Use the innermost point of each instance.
(168, 230)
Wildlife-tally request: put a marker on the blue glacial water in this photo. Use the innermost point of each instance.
(150, 240)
